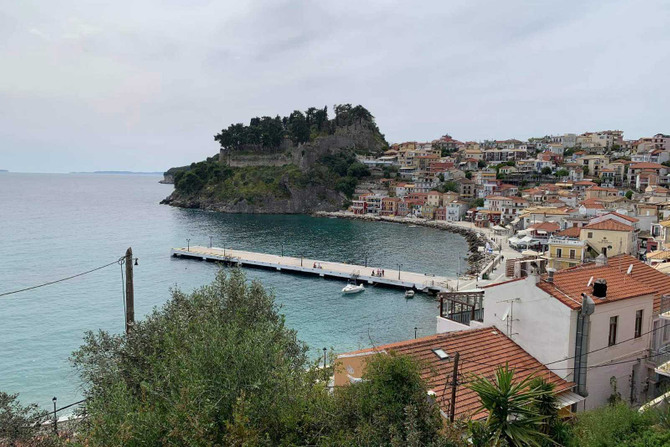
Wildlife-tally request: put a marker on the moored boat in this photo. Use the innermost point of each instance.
(409, 293)
(353, 288)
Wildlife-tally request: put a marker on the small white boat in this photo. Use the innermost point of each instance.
(353, 288)
(409, 293)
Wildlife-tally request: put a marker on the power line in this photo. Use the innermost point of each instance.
(60, 280)
(538, 368)
(590, 352)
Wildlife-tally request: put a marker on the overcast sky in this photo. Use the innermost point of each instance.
(144, 85)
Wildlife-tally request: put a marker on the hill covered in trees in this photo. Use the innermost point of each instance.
(300, 163)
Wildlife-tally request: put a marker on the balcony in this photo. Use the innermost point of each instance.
(462, 307)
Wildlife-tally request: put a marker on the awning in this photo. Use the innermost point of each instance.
(513, 240)
(526, 239)
(567, 398)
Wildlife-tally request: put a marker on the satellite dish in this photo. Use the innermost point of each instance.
(590, 281)
(630, 269)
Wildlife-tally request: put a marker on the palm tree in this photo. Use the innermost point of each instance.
(512, 416)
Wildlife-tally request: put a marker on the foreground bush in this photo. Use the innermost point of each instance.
(219, 367)
(620, 425)
(207, 367)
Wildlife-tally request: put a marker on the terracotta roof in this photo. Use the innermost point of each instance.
(569, 232)
(480, 350)
(610, 225)
(549, 227)
(645, 274)
(623, 216)
(570, 283)
(645, 165)
(584, 183)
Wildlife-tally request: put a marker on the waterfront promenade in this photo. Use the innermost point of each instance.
(393, 278)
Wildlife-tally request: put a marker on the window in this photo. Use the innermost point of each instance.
(589, 235)
(638, 323)
(559, 253)
(573, 254)
(612, 337)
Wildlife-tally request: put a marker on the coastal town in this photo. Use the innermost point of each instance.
(577, 227)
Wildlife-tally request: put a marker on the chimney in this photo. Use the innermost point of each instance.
(600, 288)
(601, 260)
(550, 275)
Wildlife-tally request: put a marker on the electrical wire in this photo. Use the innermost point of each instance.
(538, 368)
(590, 352)
(59, 280)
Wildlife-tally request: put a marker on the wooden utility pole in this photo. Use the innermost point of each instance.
(454, 384)
(130, 292)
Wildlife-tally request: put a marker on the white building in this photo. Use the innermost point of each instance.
(545, 315)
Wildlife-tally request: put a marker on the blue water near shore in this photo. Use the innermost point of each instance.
(53, 226)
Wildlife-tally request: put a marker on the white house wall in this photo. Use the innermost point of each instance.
(599, 374)
(541, 324)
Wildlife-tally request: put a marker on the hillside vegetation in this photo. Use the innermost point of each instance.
(301, 163)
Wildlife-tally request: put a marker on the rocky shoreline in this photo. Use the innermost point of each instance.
(476, 259)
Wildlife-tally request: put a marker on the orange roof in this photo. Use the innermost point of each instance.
(610, 225)
(623, 216)
(569, 284)
(645, 165)
(480, 350)
(569, 232)
(549, 227)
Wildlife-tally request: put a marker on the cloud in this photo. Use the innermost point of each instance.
(145, 85)
(38, 33)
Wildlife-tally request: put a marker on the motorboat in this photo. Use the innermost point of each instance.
(350, 289)
(409, 293)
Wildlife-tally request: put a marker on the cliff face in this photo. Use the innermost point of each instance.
(300, 201)
(318, 175)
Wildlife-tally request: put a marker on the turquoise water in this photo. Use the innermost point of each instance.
(53, 226)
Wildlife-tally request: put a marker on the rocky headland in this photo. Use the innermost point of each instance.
(298, 164)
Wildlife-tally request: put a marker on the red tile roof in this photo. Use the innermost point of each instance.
(610, 225)
(623, 216)
(570, 283)
(549, 227)
(569, 232)
(645, 165)
(481, 351)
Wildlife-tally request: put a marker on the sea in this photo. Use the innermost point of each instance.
(54, 226)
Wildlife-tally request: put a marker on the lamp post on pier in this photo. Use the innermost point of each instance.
(210, 241)
(55, 416)
(282, 249)
(399, 267)
(188, 244)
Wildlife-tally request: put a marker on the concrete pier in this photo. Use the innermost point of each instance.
(325, 269)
